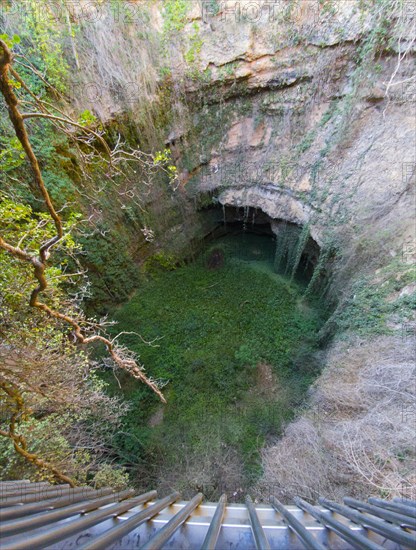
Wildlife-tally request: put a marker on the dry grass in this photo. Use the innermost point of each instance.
(357, 436)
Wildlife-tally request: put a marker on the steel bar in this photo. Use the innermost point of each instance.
(169, 529)
(406, 501)
(394, 506)
(258, 533)
(16, 482)
(46, 538)
(215, 526)
(393, 533)
(41, 494)
(119, 531)
(297, 527)
(22, 492)
(70, 498)
(50, 516)
(7, 481)
(355, 539)
(392, 517)
(23, 488)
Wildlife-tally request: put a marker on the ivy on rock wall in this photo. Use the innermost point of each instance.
(112, 277)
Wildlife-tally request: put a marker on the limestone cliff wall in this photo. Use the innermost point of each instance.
(290, 113)
(306, 111)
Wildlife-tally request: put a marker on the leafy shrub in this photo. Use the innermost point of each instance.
(110, 476)
(160, 262)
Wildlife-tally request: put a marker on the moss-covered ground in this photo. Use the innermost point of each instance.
(234, 345)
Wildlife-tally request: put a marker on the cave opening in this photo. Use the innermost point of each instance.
(252, 235)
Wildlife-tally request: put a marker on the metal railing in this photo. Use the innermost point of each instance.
(40, 516)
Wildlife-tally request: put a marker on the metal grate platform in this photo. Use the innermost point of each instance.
(38, 515)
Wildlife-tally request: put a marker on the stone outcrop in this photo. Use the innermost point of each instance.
(303, 133)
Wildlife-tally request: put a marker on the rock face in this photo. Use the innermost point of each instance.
(216, 259)
(297, 108)
(286, 120)
(303, 111)
(303, 133)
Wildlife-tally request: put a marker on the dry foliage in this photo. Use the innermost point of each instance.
(357, 436)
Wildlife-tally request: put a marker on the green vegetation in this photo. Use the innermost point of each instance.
(195, 45)
(174, 22)
(227, 70)
(160, 262)
(212, 7)
(212, 333)
(55, 395)
(54, 407)
(52, 147)
(234, 345)
(307, 141)
(371, 304)
(44, 39)
(175, 12)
